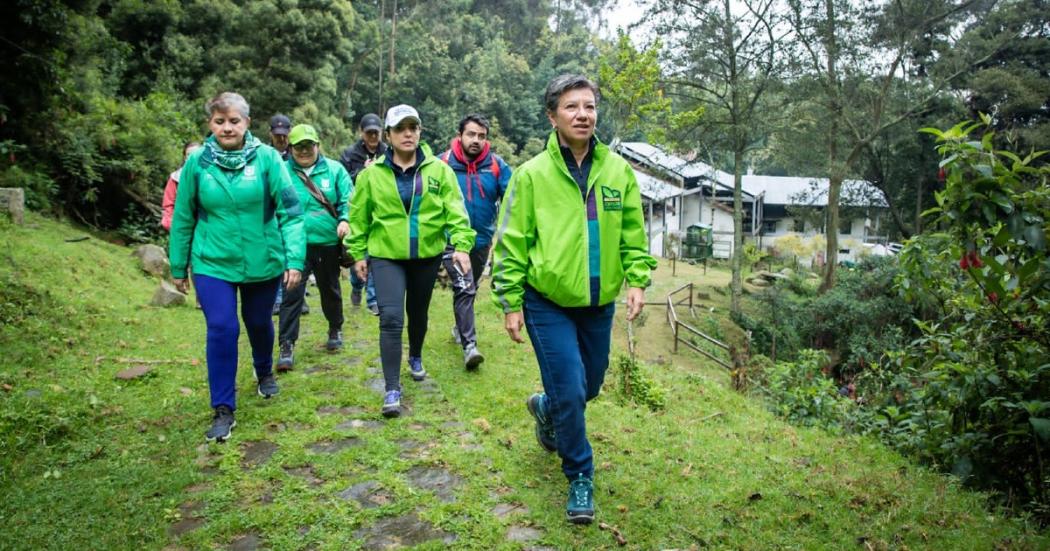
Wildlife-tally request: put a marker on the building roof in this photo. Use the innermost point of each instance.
(655, 189)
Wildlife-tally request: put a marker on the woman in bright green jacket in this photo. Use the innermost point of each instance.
(570, 232)
(402, 208)
(324, 187)
(238, 221)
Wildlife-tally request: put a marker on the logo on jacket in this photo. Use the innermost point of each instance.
(325, 184)
(433, 184)
(611, 199)
(249, 172)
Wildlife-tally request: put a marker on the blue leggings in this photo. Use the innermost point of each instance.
(218, 300)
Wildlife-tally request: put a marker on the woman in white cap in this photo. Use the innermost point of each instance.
(400, 211)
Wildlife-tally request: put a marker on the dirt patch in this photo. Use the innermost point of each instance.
(370, 494)
(256, 453)
(404, 531)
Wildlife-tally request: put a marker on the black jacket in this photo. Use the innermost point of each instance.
(355, 156)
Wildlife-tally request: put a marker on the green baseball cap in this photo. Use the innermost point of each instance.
(302, 133)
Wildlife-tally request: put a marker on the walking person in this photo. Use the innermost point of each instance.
(238, 220)
(355, 158)
(483, 178)
(570, 232)
(400, 212)
(324, 188)
(280, 126)
(167, 205)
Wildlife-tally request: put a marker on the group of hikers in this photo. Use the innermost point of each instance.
(565, 230)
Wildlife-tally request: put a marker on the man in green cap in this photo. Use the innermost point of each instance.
(324, 188)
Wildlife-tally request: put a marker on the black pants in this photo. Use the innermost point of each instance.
(323, 262)
(402, 285)
(464, 289)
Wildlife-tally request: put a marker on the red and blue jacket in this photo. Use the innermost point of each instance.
(483, 182)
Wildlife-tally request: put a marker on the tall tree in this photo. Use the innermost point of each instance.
(723, 58)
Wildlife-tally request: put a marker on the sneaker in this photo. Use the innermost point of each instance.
(580, 507)
(268, 386)
(455, 335)
(335, 340)
(392, 403)
(374, 308)
(471, 357)
(285, 360)
(415, 365)
(306, 308)
(355, 298)
(537, 404)
(221, 425)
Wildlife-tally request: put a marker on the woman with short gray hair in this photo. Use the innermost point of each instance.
(238, 221)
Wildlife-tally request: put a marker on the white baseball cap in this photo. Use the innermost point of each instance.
(398, 113)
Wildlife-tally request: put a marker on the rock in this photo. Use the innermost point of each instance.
(759, 282)
(134, 372)
(404, 531)
(503, 509)
(788, 272)
(247, 542)
(13, 201)
(370, 494)
(523, 533)
(153, 260)
(257, 452)
(167, 295)
(334, 446)
(439, 481)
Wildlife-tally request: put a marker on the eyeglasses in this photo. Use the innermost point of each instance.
(303, 147)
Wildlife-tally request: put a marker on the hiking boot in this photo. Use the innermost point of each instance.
(580, 507)
(222, 424)
(455, 335)
(268, 386)
(392, 403)
(415, 366)
(355, 298)
(374, 308)
(537, 404)
(285, 359)
(335, 340)
(471, 357)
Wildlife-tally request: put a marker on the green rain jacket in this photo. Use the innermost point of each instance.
(240, 226)
(332, 180)
(380, 226)
(575, 252)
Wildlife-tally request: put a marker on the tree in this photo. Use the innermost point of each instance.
(633, 100)
(723, 58)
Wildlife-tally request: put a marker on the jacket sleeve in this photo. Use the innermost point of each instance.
(183, 219)
(515, 235)
(634, 250)
(505, 173)
(360, 216)
(344, 187)
(167, 205)
(289, 215)
(457, 223)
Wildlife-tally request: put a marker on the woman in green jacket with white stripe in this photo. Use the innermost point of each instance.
(400, 212)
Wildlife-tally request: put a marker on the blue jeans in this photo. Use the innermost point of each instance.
(356, 284)
(572, 348)
(218, 300)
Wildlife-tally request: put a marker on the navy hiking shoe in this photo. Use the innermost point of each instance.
(285, 360)
(537, 404)
(415, 365)
(335, 340)
(580, 507)
(221, 425)
(268, 386)
(392, 403)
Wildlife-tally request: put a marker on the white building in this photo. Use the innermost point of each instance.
(679, 193)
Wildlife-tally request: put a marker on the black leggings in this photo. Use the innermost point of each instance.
(396, 281)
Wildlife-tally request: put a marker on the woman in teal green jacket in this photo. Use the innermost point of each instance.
(401, 210)
(570, 232)
(238, 221)
(324, 187)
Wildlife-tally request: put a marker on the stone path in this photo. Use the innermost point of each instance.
(298, 459)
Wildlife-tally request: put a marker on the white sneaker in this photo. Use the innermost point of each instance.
(472, 358)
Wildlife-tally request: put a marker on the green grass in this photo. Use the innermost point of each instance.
(89, 462)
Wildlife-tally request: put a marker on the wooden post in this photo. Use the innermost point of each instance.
(13, 200)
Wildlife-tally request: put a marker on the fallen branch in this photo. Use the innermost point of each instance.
(616, 533)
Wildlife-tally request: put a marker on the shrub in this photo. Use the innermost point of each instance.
(802, 392)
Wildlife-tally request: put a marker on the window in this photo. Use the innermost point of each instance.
(769, 226)
(846, 226)
(800, 225)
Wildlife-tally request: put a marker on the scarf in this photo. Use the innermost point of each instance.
(230, 160)
(472, 166)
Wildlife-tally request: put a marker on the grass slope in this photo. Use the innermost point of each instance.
(89, 462)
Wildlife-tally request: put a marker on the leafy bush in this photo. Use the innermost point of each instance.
(802, 392)
(637, 387)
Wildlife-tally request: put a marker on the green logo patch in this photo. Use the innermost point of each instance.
(611, 199)
(433, 184)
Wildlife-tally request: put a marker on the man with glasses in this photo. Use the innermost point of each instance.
(355, 158)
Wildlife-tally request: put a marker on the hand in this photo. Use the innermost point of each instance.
(292, 278)
(462, 261)
(182, 285)
(635, 302)
(361, 269)
(513, 322)
(342, 229)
